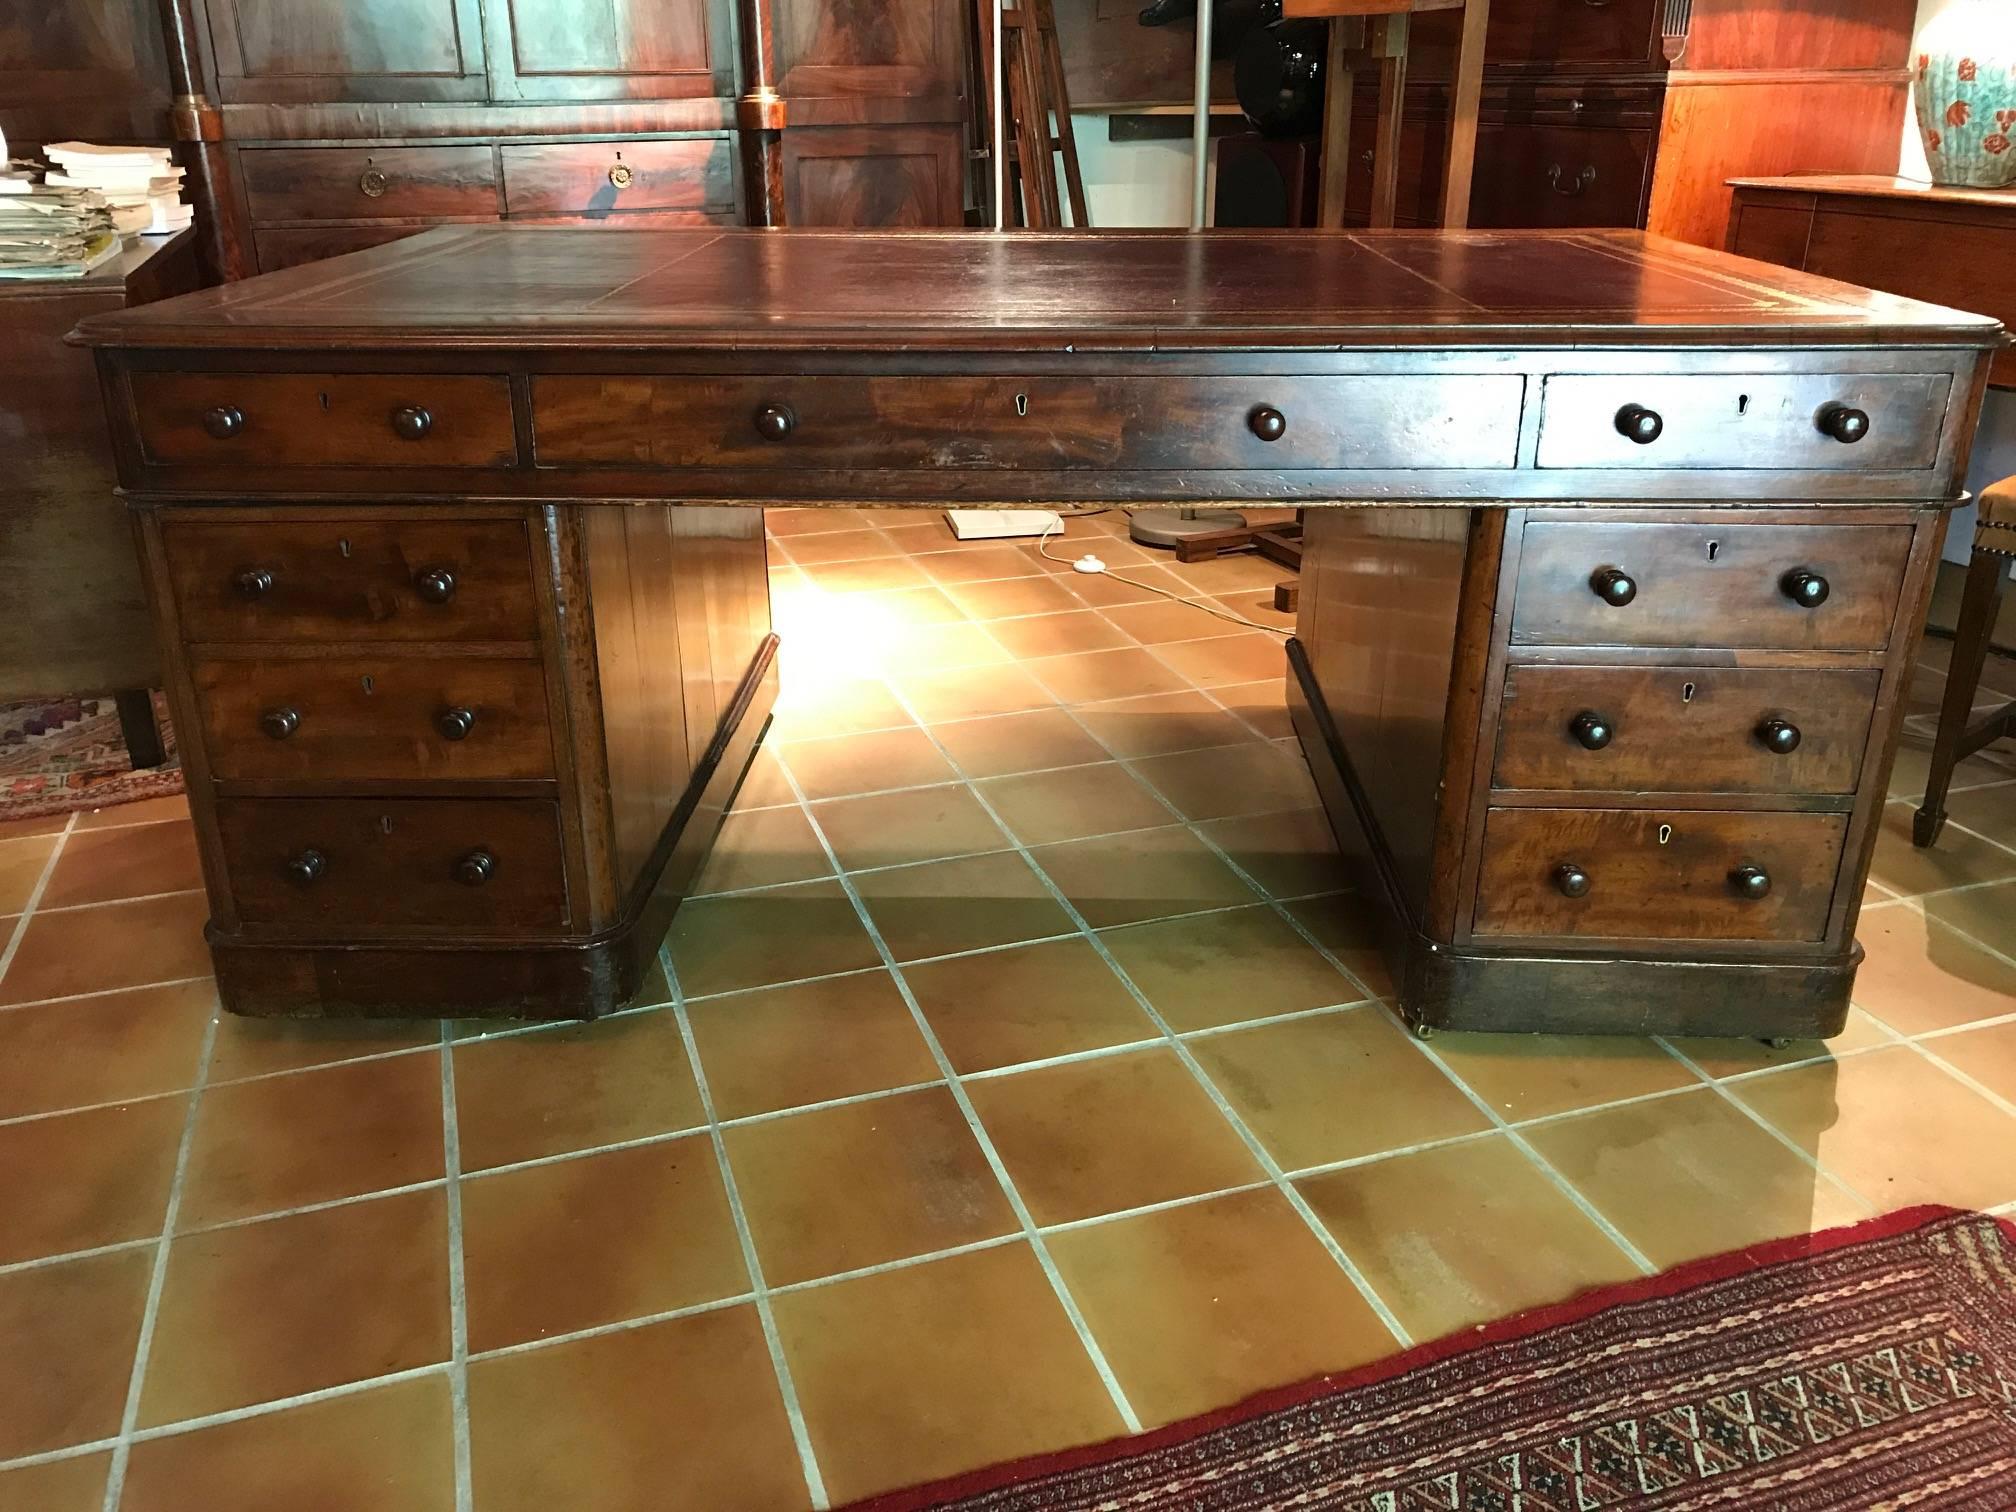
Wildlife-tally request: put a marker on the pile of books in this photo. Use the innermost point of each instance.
(141, 184)
(51, 232)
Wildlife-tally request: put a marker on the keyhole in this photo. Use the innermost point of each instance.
(1686, 693)
(1022, 405)
(1665, 833)
(369, 685)
(325, 400)
(1742, 404)
(343, 547)
(1714, 548)
(384, 824)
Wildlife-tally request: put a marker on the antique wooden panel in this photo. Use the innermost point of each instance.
(308, 50)
(94, 70)
(874, 176)
(608, 49)
(368, 183)
(383, 717)
(1689, 874)
(352, 579)
(1741, 729)
(327, 419)
(1603, 584)
(1469, 420)
(605, 178)
(898, 48)
(288, 247)
(333, 866)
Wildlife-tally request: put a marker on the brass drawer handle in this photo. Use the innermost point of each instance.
(434, 584)
(306, 867)
(224, 422)
(253, 582)
(1778, 736)
(1571, 881)
(1751, 882)
(1267, 422)
(1559, 180)
(1636, 423)
(280, 723)
(372, 183)
(1844, 424)
(619, 175)
(1591, 730)
(455, 724)
(476, 868)
(775, 421)
(1613, 585)
(1804, 587)
(410, 422)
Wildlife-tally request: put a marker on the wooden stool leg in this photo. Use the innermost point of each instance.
(136, 724)
(1462, 156)
(1346, 33)
(1978, 606)
(1392, 101)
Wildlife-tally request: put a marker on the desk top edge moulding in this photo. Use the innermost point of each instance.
(455, 550)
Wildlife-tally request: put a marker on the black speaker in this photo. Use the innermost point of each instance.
(1266, 181)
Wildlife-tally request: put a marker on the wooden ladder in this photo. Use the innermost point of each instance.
(1033, 92)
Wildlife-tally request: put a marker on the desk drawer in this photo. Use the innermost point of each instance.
(368, 183)
(343, 865)
(1646, 874)
(1775, 587)
(1772, 421)
(615, 177)
(325, 419)
(1416, 421)
(367, 579)
(393, 718)
(1687, 729)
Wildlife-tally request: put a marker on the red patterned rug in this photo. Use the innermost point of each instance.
(1867, 1367)
(67, 753)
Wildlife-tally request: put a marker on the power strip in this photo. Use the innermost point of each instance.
(993, 524)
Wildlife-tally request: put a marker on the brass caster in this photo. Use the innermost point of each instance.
(1778, 1043)
(1424, 1031)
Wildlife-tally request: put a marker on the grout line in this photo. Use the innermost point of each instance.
(801, 1434)
(129, 1418)
(153, 897)
(963, 1099)
(622, 1325)
(458, 1291)
(1996, 1098)
(34, 897)
(906, 1262)
(99, 992)
(1257, 1150)
(1804, 1155)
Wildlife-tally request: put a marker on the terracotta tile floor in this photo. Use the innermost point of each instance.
(1024, 1076)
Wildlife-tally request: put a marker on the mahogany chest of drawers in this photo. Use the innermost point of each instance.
(1616, 558)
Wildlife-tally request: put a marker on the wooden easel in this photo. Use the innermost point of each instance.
(1033, 92)
(1373, 33)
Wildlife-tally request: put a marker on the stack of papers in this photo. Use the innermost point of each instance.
(141, 184)
(51, 233)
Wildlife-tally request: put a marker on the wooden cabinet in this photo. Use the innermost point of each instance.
(609, 49)
(307, 51)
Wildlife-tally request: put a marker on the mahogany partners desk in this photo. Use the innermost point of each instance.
(469, 640)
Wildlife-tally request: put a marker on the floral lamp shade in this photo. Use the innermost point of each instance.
(1966, 93)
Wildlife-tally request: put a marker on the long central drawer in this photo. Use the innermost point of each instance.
(1432, 421)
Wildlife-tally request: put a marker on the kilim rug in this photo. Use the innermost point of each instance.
(67, 753)
(1869, 1367)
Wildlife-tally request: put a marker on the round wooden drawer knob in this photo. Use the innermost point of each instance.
(306, 867)
(1804, 587)
(435, 584)
(410, 422)
(1639, 424)
(224, 421)
(476, 868)
(1614, 586)
(1751, 882)
(1844, 424)
(279, 723)
(1591, 730)
(1778, 736)
(774, 422)
(1571, 881)
(1268, 423)
(455, 724)
(253, 583)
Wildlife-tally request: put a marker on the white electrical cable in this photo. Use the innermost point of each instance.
(1043, 548)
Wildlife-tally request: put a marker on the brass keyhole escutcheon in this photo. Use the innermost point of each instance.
(1022, 406)
(1686, 693)
(619, 174)
(1665, 834)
